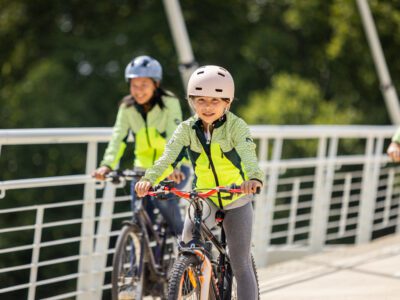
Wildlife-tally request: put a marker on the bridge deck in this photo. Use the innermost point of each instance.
(370, 271)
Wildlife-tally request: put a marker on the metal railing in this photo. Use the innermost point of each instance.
(340, 190)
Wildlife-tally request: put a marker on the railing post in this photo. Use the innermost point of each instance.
(388, 198)
(324, 176)
(398, 219)
(368, 194)
(87, 229)
(345, 204)
(99, 261)
(293, 210)
(264, 208)
(35, 253)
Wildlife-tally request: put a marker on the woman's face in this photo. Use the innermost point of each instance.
(209, 109)
(142, 89)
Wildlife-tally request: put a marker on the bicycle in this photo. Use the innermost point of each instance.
(195, 274)
(144, 251)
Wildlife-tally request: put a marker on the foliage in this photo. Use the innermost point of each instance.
(292, 100)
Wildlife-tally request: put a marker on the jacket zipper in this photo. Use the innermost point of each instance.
(154, 156)
(147, 131)
(207, 149)
(215, 177)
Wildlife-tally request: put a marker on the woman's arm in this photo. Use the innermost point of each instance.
(174, 115)
(177, 143)
(116, 146)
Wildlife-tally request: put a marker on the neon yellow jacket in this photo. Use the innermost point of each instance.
(396, 136)
(151, 131)
(228, 158)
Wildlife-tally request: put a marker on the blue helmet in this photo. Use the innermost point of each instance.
(143, 66)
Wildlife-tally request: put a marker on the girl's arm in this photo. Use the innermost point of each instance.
(245, 147)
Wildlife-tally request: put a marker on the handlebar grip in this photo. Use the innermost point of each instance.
(234, 186)
(258, 190)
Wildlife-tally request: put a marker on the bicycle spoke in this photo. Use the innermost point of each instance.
(128, 269)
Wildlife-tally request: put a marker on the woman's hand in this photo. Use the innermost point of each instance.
(177, 176)
(142, 188)
(101, 172)
(250, 186)
(394, 151)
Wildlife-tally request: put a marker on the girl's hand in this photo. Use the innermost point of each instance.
(176, 176)
(394, 151)
(101, 172)
(250, 186)
(142, 188)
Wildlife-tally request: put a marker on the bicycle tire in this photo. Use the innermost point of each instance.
(184, 282)
(127, 277)
(230, 292)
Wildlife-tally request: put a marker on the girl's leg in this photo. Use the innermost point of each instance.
(147, 203)
(238, 228)
(133, 194)
(170, 210)
(209, 211)
(186, 171)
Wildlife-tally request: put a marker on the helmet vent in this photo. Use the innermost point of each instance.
(223, 75)
(219, 90)
(199, 88)
(201, 72)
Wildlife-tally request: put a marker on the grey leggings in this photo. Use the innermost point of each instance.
(238, 227)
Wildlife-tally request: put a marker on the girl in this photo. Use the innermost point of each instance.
(151, 114)
(222, 152)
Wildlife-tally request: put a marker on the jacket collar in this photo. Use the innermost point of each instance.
(217, 123)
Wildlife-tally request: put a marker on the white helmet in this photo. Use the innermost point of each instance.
(211, 81)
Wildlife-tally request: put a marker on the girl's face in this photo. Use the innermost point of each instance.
(142, 89)
(209, 109)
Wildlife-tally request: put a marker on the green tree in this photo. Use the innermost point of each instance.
(296, 101)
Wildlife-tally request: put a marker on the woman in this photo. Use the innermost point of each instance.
(151, 114)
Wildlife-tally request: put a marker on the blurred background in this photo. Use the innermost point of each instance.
(62, 62)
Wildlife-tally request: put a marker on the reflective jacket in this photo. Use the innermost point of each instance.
(229, 157)
(151, 131)
(396, 136)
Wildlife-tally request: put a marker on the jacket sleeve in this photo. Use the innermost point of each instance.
(174, 115)
(245, 147)
(117, 145)
(396, 137)
(179, 140)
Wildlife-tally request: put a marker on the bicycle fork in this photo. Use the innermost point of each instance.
(206, 273)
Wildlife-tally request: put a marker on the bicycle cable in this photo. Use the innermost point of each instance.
(209, 209)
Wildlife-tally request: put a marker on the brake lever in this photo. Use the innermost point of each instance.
(235, 186)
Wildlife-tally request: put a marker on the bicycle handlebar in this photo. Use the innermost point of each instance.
(120, 175)
(168, 187)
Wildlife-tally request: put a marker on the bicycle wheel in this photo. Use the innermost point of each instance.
(185, 282)
(128, 266)
(230, 284)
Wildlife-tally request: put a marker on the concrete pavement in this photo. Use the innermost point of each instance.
(367, 272)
